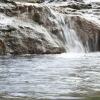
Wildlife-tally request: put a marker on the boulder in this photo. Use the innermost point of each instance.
(79, 5)
(39, 29)
(88, 32)
(29, 30)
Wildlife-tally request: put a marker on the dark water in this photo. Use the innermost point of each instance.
(50, 77)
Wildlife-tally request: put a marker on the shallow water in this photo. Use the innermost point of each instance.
(61, 77)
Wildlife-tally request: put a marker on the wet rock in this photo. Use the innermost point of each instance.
(8, 1)
(79, 6)
(7, 28)
(96, 5)
(65, 1)
(30, 1)
(2, 48)
(34, 29)
(37, 18)
(28, 40)
(88, 31)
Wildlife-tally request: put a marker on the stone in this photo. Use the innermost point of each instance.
(34, 29)
(88, 31)
(2, 48)
(79, 6)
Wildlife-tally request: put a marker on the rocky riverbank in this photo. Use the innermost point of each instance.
(27, 28)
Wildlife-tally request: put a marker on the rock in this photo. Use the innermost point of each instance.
(29, 31)
(26, 41)
(9, 1)
(30, 1)
(37, 18)
(2, 48)
(34, 28)
(65, 1)
(88, 31)
(95, 5)
(79, 6)
(39, 1)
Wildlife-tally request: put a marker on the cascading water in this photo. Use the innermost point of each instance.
(66, 76)
(89, 1)
(72, 41)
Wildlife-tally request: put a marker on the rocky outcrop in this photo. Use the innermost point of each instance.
(27, 41)
(29, 30)
(88, 31)
(39, 1)
(36, 29)
(78, 5)
(13, 1)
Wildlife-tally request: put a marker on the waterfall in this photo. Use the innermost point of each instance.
(72, 41)
(56, 27)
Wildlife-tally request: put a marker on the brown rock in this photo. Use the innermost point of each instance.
(2, 48)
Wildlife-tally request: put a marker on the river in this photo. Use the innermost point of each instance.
(50, 77)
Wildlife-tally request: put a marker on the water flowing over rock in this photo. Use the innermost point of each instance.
(88, 32)
(27, 28)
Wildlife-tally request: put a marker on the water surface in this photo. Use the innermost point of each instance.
(51, 77)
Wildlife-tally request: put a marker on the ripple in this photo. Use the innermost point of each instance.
(59, 77)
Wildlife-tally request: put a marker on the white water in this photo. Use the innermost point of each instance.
(73, 44)
(90, 1)
(71, 76)
(72, 41)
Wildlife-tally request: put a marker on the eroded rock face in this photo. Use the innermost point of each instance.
(88, 31)
(13, 1)
(39, 1)
(2, 48)
(34, 28)
(25, 40)
(79, 6)
(29, 30)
